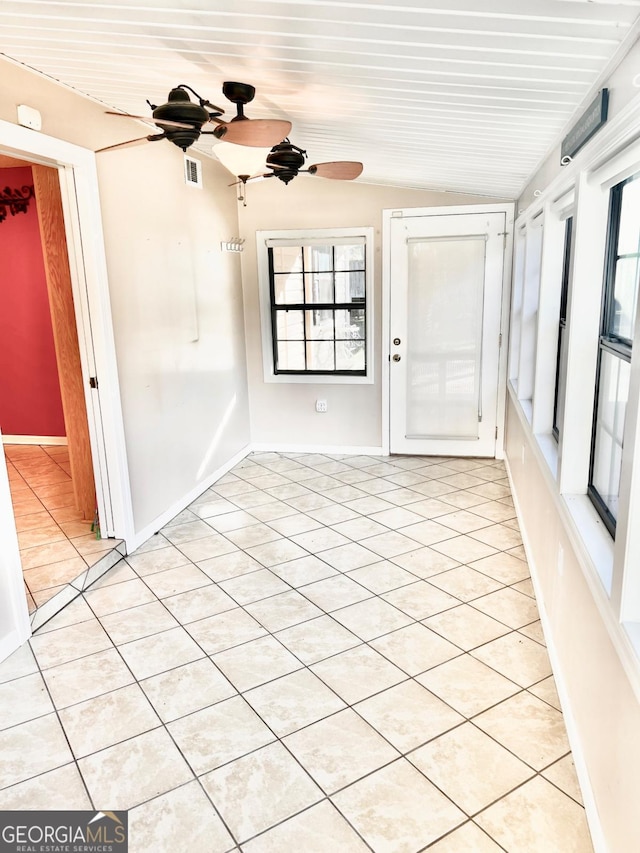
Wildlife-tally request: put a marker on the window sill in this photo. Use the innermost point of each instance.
(594, 535)
(549, 449)
(288, 378)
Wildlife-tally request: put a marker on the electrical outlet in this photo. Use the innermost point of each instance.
(321, 405)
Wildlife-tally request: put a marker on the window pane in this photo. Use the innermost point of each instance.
(350, 324)
(319, 325)
(291, 355)
(318, 287)
(629, 237)
(289, 289)
(349, 257)
(290, 325)
(349, 355)
(320, 355)
(318, 258)
(625, 297)
(612, 404)
(287, 259)
(350, 286)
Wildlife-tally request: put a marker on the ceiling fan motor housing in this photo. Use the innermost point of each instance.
(180, 107)
(286, 160)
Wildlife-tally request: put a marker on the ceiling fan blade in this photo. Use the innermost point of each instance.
(159, 122)
(256, 132)
(344, 170)
(132, 142)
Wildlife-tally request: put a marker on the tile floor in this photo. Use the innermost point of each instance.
(321, 654)
(56, 543)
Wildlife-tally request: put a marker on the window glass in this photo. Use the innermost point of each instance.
(612, 404)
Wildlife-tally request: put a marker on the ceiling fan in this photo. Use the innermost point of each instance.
(181, 121)
(286, 161)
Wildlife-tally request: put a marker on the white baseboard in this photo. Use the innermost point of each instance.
(34, 439)
(575, 741)
(141, 536)
(330, 449)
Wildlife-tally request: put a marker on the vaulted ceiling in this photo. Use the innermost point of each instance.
(460, 95)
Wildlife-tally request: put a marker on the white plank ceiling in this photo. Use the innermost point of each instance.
(460, 95)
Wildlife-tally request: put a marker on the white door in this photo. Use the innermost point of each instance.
(445, 310)
(15, 627)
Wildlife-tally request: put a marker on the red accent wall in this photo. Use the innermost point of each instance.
(30, 402)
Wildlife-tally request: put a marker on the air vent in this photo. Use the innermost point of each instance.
(193, 172)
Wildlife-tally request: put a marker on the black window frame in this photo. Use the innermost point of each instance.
(562, 321)
(359, 303)
(609, 342)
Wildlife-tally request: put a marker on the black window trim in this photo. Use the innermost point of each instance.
(562, 320)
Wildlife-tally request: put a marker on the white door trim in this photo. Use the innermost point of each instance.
(387, 215)
(87, 261)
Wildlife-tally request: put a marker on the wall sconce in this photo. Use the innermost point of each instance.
(16, 201)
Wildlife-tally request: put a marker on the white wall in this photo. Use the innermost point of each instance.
(284, 414)
(176, 299)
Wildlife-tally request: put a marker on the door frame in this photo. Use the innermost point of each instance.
(87, 261)
(508, 208)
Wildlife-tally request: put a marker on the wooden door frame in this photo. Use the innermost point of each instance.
(85, 245)
(508, 208)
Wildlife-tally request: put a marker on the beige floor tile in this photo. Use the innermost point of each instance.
(334, 514)
(256, 662)
(525, 587)
(229, 566)
(351, 556)
(530, 728)
(137, 622)
(220, 733)
(160, 652)
(293, 701)
(466, 627)
(129, 773)
(358, 673)
(391, 543)
(42, 555)
(206, 547)
(115, 597)
(283, 610)
(339, 749)
(382, 577)
(491, 491)
(414, 648)
(120, 573)
(186, 689)
(463, 521)
(233, 521)
(182, 819)
(465, 583)
(464, 549)
(209, 505)
(298, 522)
(397, 517)
(250, 537)
(503, 567)
(318, 639)
(278, 551)
(499, 536)
(147, 563)
(254, 586)
(467, 685)
(537, 817)
(469, 838)
(108, 719)
(408, 715)
(371, 618)
(23, 699)
(425, 562)
(32, 521)
(367, 506)
(225, 630)
(86, 677)
(494, 511)
(508, 606)
(397, 809)
(420, 599)
(179, 534)
(361, 528)
(174, 581)
(273, 511)
(547, 691)
(534, 632)
(303, 571)
(470, 768)
(316, 830)
(322, 539)
(516, 657)
(32, 748)
(563, 775)
(335, 592)
(19, 664)
(69, 643)
(198, 603)
(61, 789)
(257, 791)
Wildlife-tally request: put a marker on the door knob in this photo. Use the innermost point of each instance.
(396, 357)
